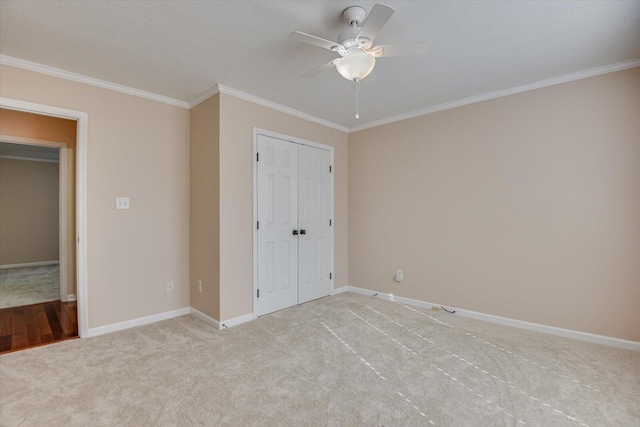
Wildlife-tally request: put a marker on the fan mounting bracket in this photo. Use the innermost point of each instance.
(354, 15)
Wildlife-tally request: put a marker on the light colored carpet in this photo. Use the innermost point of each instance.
(344, 360)
(29, 285)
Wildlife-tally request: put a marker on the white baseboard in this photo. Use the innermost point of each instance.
(567, 333)
(100, 330)
(29, 264)
(71, 297)
(205, 318)
(339, 290)
(218, 324)
(237, 321)
(221, 325)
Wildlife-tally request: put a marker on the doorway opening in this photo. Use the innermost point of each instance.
(41, 260)
(33, 242)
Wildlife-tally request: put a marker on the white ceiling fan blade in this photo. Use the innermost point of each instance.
(314, 40)
(404, 49)
(321, 69)
(379, 16)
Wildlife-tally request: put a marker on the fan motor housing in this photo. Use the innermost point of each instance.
(347, 38)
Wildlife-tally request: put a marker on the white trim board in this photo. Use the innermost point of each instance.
(265, 103)
(218, 324)
(592, 72)
(237, 321)
(279, 107)
(146, 320)
(214, 90)
(106, 329)
(63, 218)
(552, 330)
(218, 88)
(80, 78)
(28, 264)
(29, 159)
(205, 318)
(566, 78)
(337, 291)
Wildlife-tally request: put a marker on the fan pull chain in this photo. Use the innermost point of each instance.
(357, 80)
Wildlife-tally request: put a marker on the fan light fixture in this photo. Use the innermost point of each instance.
(355, 45)
(355, 64)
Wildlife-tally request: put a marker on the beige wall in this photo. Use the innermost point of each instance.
(35, 126)
(28, 211)
(237, 119)
(205, 206)
(139, 149)
(526, 206)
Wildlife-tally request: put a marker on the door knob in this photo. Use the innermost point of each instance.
(295, 232)
(303, 231)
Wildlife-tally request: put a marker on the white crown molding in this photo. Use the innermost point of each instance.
(265, 103)
(537, 327)
(218, 88)
(592, 72)
(204, 96)
(278, 107)
(56, 72)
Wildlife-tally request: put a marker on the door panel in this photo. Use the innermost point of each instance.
(277, 212)
(314, 197)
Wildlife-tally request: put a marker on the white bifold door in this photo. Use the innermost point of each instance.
(294, 238)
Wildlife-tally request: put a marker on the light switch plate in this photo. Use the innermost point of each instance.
(399, 276)
(122, 203)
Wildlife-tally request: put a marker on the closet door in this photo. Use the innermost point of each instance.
(277, 251)
(314, 212)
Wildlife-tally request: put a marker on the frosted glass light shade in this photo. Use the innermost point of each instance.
(356, 65)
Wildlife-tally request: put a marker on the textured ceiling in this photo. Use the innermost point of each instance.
(181, 49)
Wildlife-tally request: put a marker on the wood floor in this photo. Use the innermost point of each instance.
(37, 324)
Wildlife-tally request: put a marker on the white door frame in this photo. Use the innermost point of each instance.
(293, 139)
(81, 119)
(62, 201)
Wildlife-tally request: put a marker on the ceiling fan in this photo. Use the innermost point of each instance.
(355, 44)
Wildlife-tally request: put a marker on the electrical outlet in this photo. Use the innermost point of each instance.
(122, 203)
(199, 285)
(170, 286)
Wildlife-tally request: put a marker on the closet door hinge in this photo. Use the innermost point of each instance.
(257, 157)
(257, 225)
(330, 168)
(330, 222)
(330, 276)
(258, 296)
